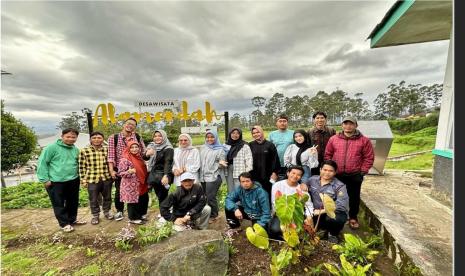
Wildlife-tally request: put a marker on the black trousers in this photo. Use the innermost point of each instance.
(234, 222)
(64, 197)
(333, 226)
(96, 190)
(118, 204)
(282, 174)
(354, 185)
(160, 191)
(266, 185)
(137, 210)
(211, 191)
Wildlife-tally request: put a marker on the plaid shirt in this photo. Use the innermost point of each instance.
(114, 156)
(243, 162)
(93, 165)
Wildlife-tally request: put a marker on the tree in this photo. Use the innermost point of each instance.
(74, 120)
(258, 102)
(18, 142)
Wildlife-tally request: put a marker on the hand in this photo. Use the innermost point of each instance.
(238, 214)
(177, 172)
(186, 218)
(303, 187)
(317, 212)
(274, 176)
(179, 221)
(312, 151)
(132, 171)
(223, 163)
(164, 180)
(113, 174)
(309, 221)
(150, 152)
(47, 184)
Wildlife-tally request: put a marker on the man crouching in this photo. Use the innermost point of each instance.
(189, 205)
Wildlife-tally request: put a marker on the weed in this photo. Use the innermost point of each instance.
(347, 269)
(355, 249)
(92, 269)
(90, 253)
(231, 248)
(314, 271)
(151, 234)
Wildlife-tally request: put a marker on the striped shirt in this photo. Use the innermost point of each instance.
(93, 166)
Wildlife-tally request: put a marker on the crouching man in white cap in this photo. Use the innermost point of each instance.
(189, 205)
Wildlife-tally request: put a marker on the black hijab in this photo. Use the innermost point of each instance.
(236, 145)
(303, 146)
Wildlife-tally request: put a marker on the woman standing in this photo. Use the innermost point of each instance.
(239, 158)
(134, 188)
(186, 159)
(301, 153)
(212, 157)
(160, 152)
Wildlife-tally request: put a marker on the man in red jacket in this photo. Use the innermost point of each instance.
(353, 153)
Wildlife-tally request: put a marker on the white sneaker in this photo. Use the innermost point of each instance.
(144, 217)
(67, 228)
(136, 221)
(118, 216)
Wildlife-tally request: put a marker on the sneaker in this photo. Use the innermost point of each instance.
(94, 221)
(144, 217)
(79, 222)
(333, 239)
(109, 216)
(136, 221)
(118, 216)
(67, 228)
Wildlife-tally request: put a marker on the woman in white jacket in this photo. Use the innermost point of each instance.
(239, 158)
(301, 153)
(186, 159)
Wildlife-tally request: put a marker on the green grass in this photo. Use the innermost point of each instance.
(92, 269)
(420, 162)
(421, 140)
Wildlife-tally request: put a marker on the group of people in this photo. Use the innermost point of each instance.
(314, 161)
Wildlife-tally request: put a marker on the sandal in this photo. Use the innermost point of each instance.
(94, 221)
(353, 223)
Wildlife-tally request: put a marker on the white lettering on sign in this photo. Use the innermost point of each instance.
(196, 130)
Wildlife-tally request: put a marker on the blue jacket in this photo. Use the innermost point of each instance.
(255, 203)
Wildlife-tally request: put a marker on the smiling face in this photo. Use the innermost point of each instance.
(134, 149)
(299, 138)
(235, 135)
(319, 121)
(187, 184)
(69, 138)
(281, 124)
(210, 139)
(157, 138)
(96, 140)
(183, 141)
(129, 126)
(327, 172)
(294, 176)
(256, 134)
(348, 127)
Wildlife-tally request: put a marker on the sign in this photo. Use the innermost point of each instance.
(107, 114)
(196, 130)
(159, 104)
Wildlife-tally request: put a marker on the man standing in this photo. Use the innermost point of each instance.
(353, 153)
(95, 175)
(58, 170)
(265, 160)
(189, 205)
(320, 134)
(281, 138)
(116, 145)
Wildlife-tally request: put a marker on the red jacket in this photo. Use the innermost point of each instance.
(352, 154)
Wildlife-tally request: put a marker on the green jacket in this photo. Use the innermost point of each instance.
(58, 162)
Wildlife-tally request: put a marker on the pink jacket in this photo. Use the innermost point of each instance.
(354, 154)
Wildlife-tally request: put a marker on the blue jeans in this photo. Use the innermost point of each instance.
(307, 174)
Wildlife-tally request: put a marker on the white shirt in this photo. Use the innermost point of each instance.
(192, 164)
(307, 159)
(286, 189)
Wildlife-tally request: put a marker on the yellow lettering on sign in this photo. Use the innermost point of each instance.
(107, 114)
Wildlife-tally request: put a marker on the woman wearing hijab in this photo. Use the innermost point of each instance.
(239, 158)
(134, 188)
(265, 160)
(301, 153)
(160, 164)
(212, 157)
(186, 159)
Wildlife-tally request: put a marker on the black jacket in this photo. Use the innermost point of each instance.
(184, 201)
(265, 160)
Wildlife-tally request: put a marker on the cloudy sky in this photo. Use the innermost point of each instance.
(65, 56)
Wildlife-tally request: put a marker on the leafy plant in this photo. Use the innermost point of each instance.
(124, 245)
(124, 238)
(355, 249)
(314, 271)
(231, 248)
(347, 269)
(90, 253)
(151, 234)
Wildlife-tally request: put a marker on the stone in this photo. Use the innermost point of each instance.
(191, 252)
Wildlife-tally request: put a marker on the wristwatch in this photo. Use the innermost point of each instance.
(188, 214)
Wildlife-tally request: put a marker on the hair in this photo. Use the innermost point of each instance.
(131, 119)
(245, 175)
(296, 167)
(282, 116)
(319, 113)
(96, 133)
(331, 163)
(68, 130)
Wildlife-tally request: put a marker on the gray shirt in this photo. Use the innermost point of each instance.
(209, 163)
(335, 189)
